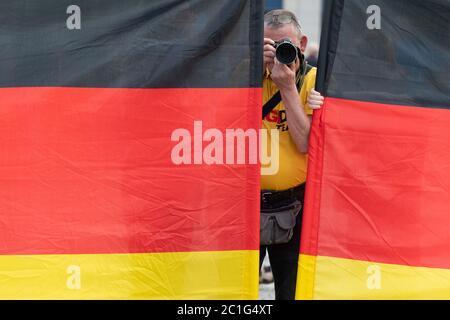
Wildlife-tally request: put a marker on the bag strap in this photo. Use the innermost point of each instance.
(276, 99)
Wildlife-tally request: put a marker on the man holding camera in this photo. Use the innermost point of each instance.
(289, 99)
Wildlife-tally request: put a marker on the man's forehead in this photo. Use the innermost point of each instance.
(280, 33)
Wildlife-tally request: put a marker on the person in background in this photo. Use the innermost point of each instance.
(312, 54)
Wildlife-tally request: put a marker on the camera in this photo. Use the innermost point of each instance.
(286, 52)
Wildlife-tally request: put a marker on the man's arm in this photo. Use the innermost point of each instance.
(299, 122)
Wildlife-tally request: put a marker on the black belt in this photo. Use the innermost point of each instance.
(271, 198)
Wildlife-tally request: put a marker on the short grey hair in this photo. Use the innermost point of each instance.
(281, 17)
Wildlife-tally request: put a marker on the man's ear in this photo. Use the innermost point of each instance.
(303, 43)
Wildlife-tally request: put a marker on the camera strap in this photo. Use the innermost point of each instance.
(276, 99)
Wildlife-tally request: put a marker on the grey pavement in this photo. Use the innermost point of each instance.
(266, 291)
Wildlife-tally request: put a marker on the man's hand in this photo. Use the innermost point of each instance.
(315, 100)
(284, 76)
(269, 53)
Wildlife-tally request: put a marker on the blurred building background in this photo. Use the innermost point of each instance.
(309, 13)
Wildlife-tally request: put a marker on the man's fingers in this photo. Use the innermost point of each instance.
(313, 104)
(280, 65)
(269, 48)
(269, 41)
(268, 59)
(315, 93)
(316, 98)
(269, 54)
(292, 66)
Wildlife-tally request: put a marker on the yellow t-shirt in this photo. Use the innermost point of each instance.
(292, 163)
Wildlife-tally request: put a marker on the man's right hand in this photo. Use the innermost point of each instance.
(269, 53)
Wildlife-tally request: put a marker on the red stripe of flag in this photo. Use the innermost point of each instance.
(380, 184)
(89, 171)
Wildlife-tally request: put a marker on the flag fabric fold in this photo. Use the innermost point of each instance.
(92, 206)
(378, 190)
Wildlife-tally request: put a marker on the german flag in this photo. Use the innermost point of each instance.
(377, 215)
(92, 206)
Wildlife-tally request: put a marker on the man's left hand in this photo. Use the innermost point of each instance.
(284, 76)
(315, 100)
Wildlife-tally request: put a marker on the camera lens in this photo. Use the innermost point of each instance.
(286, 52)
